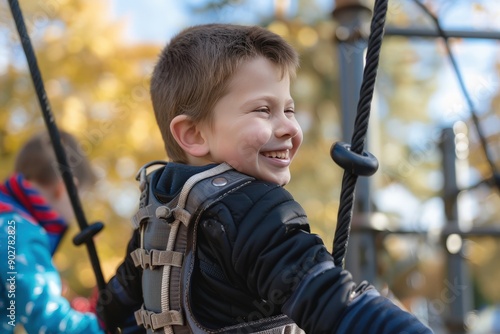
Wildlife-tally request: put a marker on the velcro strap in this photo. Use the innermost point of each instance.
(155, 321)
(182, 215)
(150, 259)
(141, 215)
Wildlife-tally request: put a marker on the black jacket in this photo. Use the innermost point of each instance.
(257, 258)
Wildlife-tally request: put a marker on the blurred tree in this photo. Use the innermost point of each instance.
(98, 87)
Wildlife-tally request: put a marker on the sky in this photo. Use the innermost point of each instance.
(159, 20)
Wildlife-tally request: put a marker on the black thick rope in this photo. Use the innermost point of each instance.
(351, 174)
(87, 231)
(468, 99)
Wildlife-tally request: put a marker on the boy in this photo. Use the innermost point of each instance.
(34, 212)
(221, 96)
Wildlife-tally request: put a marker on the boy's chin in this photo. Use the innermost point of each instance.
(281, 180)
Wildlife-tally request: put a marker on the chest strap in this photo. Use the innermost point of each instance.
(156, 321)
(160, 212)
(150, 259)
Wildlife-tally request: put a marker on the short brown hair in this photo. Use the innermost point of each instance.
(194, 69)
(37, 161)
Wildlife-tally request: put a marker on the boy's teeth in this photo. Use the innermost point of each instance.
(276, 154)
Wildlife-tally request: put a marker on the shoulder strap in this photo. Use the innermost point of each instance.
(204, 194)
(199, 192)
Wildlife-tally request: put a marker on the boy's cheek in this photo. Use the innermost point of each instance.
(246, 154)
(258, 137)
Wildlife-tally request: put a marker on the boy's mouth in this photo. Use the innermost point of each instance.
(285, 154)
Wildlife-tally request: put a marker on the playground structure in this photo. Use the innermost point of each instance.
(361, 259)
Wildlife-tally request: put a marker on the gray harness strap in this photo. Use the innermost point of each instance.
(142, 215)
(156, 321)
(164, 243)
(153, 258)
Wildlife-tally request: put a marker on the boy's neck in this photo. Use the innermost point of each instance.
(198, 161)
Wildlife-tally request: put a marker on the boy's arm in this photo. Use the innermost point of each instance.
(362, 310)
(123, 293)
(274, 255)
(36, 286)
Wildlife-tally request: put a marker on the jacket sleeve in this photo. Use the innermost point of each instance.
(39, 305)
(275, 256)
(123, 294)
(364, 310)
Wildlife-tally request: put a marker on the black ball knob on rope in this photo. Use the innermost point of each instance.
(364, 164)
(89, 232)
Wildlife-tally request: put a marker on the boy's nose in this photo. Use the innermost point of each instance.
(287, 127)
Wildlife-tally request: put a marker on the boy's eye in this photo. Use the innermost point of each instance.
(290, 111)
(266, 110)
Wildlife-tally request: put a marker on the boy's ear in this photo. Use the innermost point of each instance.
(59, 188)
(188, 135)
(54, 191)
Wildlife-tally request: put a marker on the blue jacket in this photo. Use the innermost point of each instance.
(30, 293)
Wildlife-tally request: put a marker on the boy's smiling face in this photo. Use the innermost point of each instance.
(253, 126)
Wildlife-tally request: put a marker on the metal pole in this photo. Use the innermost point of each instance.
(420, 32)
(351, 35)
(457, 292)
